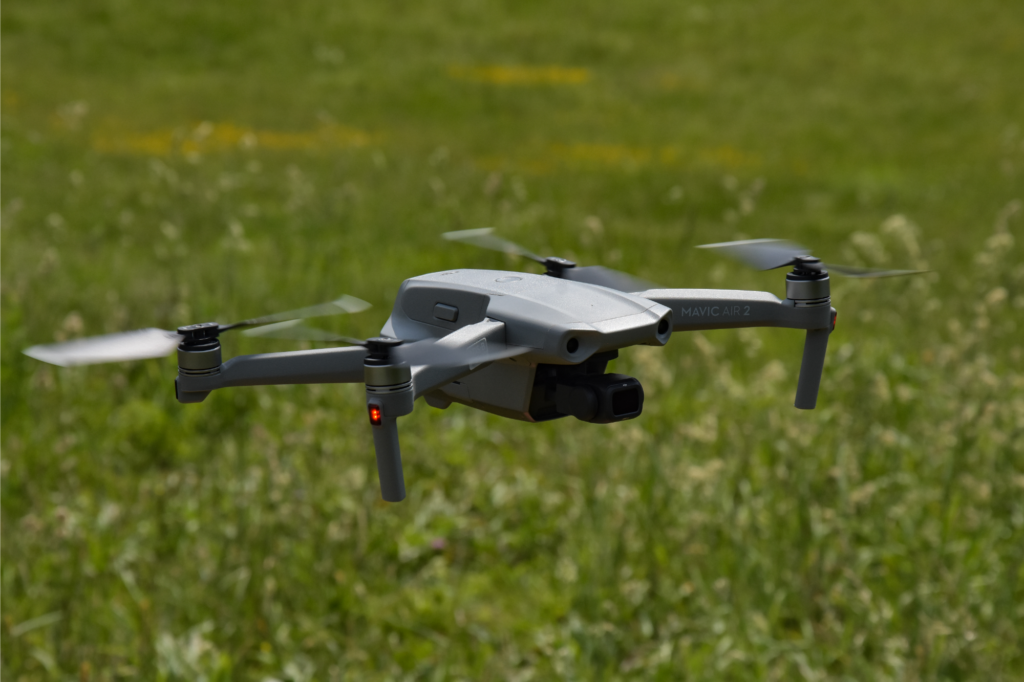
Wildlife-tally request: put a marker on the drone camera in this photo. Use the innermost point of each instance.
(584, 391)
(600, 399)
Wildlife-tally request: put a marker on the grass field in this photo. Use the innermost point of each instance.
(171, 163)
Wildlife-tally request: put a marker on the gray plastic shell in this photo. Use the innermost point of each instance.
(558, 321)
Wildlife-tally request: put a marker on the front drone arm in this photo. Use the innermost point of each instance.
(694, 309)
(324, 366)
(468, 348)
(391, 389)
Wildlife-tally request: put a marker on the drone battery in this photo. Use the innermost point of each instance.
(600, 399)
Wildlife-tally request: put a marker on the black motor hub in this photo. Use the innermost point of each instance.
(199, 337)
(379, 350)
(556, 266)
(807, 268)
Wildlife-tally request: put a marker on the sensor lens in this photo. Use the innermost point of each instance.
(572, 346)
(626, 402)
(663, 326)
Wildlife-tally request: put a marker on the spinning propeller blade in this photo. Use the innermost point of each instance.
(557, 267)
(608, 278)
(763, 254)
(863, 273)
(141, 344)
(345, 304)
(769, 254)
(145, 344)
(484, 238)
(295, 330)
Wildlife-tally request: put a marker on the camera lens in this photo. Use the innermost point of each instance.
(626, 401)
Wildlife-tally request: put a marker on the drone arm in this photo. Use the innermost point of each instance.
(324, 366)
(694, 309)
(474, 345)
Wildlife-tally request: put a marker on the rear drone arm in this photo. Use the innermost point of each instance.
(694, 309)
(325, 366)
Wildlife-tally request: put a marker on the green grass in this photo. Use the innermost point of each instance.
(722, 535)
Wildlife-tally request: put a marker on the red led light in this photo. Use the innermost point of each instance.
(375, 415)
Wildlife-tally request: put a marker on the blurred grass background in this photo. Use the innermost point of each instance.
(171, 163)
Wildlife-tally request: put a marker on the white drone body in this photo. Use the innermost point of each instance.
(523, 346)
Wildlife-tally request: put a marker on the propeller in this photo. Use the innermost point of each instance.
(769, 254)
(484, 237)
(295, 330)
(149, 343)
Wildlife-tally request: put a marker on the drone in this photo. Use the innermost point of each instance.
(531, 347)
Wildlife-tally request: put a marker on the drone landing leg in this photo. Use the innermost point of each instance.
(811, 367)
(389, 395)
(389, 460)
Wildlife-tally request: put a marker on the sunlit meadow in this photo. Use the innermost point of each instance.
(172, 163)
